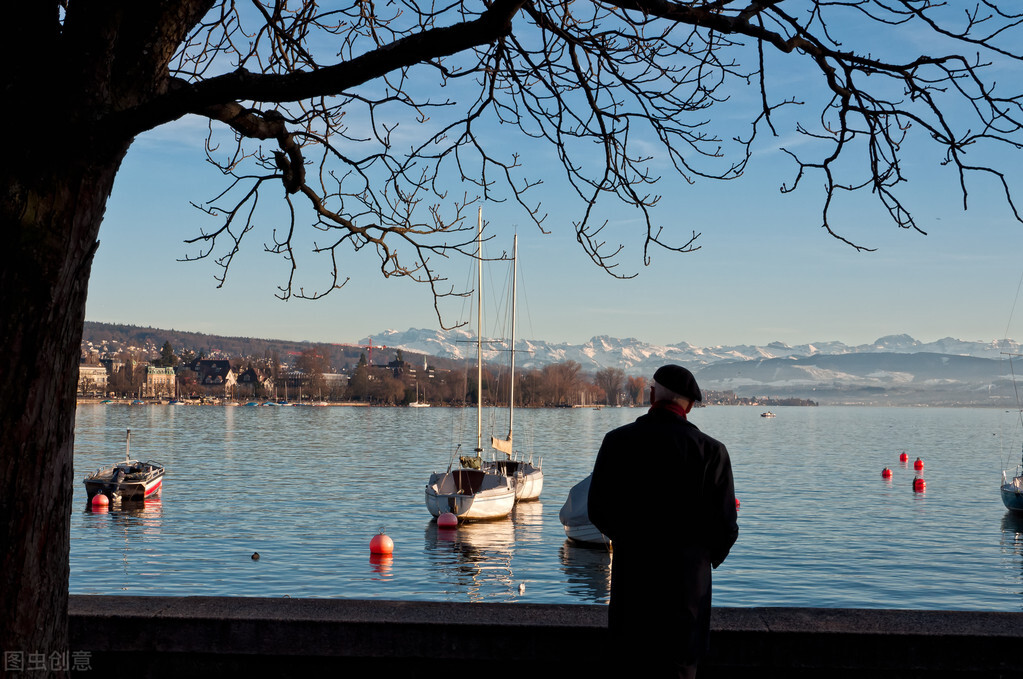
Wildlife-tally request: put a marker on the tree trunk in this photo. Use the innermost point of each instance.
(50, 214)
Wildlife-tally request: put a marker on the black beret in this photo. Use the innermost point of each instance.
(679, 380)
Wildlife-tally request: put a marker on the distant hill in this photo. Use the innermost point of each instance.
(895, 369)
(112, 337)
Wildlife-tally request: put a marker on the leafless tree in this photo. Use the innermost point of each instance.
(374, 123)
(611, 380)
(562, 383)
(635, 386)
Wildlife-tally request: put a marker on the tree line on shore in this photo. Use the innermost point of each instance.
(310, 375)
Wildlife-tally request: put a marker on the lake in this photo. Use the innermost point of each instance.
(307, 488)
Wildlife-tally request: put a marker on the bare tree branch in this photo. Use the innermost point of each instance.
(375, 111)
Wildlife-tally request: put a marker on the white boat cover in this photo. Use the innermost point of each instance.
(574, 512)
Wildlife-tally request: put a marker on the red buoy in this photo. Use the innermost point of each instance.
(886, 473)
(381, 544)
(919, 485)
(447, 520)
(100, 500)
(903, 458)
(918, 465)
(736, 504)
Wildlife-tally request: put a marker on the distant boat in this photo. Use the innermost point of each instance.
(417, 403)
(767, 414)
(472, 492)
(128, 480)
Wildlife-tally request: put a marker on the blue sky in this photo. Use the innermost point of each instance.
(765, 272)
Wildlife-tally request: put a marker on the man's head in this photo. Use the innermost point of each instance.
(675, 383)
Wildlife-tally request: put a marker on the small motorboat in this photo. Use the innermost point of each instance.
(127, 480)
(767, 414)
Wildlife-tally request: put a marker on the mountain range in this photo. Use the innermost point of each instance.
(894, 370)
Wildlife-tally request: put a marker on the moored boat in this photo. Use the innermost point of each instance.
(470, 494)
(575, 517)
(417, 403)
(1012, 490)
(1012, 480)
(473, 492)
(127, 480)
(526, 477)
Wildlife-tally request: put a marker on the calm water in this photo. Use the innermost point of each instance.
(308, 487)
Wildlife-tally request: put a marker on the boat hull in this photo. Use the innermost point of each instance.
(526, 478)
(528, 486)
(1012, 498)
(586, 534)
(470, 494)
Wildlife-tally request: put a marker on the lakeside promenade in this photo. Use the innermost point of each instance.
(283, 637)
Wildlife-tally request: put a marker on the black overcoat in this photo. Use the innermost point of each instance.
(662, 490)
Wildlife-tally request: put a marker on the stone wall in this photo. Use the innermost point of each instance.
(205, 636)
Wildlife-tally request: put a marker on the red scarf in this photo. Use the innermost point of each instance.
(670, 406)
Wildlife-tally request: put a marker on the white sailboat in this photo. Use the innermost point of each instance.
(417, 403)
(473, 492)
(526, 477)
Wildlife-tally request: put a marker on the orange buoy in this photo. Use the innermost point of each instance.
(886, 473)
(447, 520)
(918, 465)
(99, 500)
(919, 485)
(904, 458)
(381, 544)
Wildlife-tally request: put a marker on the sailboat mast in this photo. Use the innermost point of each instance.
(479, 332)
(511, 390)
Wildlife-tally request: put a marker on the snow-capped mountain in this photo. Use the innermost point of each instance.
(637, 357)
(893, 369)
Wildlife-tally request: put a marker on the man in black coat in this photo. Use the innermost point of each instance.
(662, 491)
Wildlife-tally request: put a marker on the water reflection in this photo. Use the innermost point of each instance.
(475, 557)
(381, 565)
(587, 570)
(1012, 532)
(527, 518)
(138, 515)
(129, 525)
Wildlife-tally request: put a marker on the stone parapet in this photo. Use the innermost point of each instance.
(204, 636)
